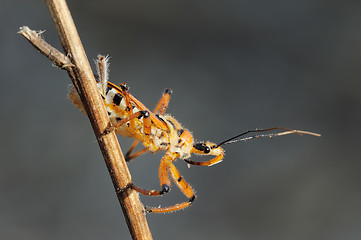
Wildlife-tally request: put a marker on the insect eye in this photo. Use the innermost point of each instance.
(206, 149)
(199, 146)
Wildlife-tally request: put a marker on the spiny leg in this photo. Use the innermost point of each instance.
(163, 103)
(155, 120)
(129, 109)
(144, 114)
(130, 100)
(130, 116)
(146, 131)
(183, 186)
(129, 156)
(132, 147)
(159, 109)
(163, 178)
(211, 162)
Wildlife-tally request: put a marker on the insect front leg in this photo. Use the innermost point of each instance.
(211, 162)
(207, 148)
(163, 178)
(183, 186)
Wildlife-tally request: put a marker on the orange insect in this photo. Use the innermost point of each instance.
(159, 132)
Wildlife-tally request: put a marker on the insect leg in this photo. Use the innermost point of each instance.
(129, 97)
(156, 121)
(163, 177)
(129, 157)
(144, 114)
(132, 147)
(129, 105)
(161, 107)
(211, 162)
(163, 103)
(147, 122)
(183, 186)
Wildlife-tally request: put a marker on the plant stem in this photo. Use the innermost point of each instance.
(82, 76)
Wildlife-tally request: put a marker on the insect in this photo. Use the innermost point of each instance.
(158, 131)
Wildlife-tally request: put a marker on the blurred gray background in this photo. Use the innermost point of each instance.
(233, 66)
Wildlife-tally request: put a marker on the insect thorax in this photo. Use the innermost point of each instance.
(160, 139)
(175, 140)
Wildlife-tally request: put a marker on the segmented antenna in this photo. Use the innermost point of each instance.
(285, 132)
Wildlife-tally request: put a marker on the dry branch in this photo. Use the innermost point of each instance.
(79, 70)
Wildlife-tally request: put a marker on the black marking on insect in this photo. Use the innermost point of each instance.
(158, 131)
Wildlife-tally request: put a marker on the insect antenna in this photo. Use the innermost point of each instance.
(284, 132)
